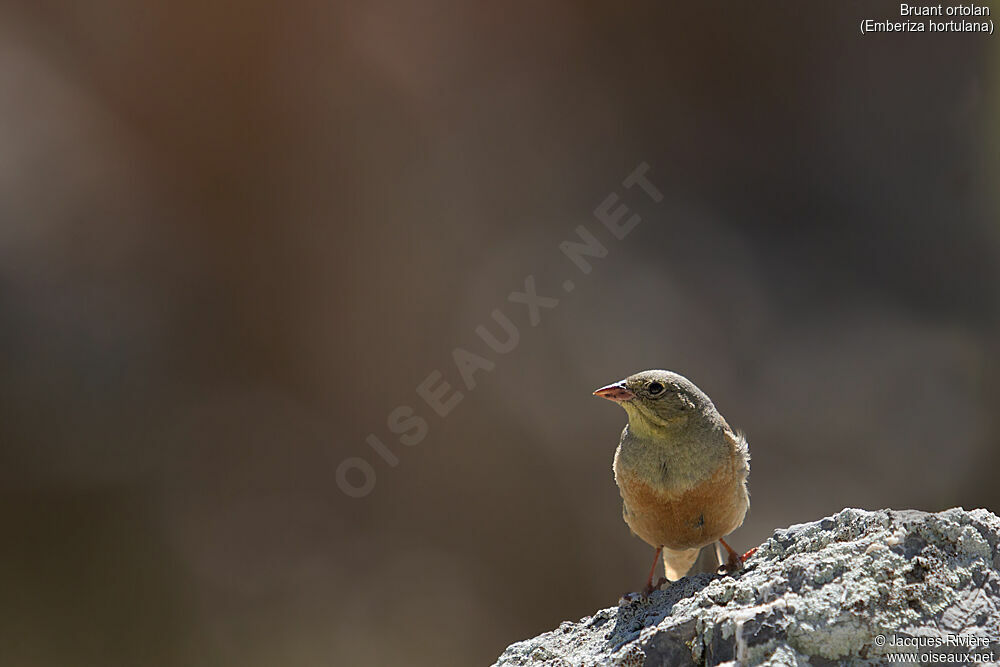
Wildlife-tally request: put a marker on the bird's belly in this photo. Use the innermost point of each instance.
(693, 518)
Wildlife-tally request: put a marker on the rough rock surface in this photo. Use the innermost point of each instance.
(819, 593)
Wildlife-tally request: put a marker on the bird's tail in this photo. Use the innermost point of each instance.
(677, 564)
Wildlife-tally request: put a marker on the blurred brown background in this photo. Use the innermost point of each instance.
(235, 237)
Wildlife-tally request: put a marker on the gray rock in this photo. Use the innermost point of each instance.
(820, 593)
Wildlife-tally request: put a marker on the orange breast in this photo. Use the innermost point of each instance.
(693, 518)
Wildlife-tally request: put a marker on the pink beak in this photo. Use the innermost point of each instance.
(616, 392)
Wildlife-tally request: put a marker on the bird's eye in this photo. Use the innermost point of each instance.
(654, 388)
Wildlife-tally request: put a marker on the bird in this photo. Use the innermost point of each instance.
(681, 471)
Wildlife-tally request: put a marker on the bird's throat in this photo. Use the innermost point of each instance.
(644, 424)
(671, 456)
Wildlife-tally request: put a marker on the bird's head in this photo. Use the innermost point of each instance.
(658, 401)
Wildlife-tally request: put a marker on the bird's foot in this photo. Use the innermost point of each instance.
(644, 594)
(650, 587)
(629, 598)
(730, 567)
(734, 563)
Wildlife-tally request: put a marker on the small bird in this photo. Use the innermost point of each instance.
(681, 470)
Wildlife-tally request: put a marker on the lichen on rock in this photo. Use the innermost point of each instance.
(817, 593)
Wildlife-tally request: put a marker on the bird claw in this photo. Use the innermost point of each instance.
(730, 567)
(735, 562)
(629, 598)
(644, 594)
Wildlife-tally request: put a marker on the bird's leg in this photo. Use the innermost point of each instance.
(734, 562)
(649, 587)
(649, 580)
